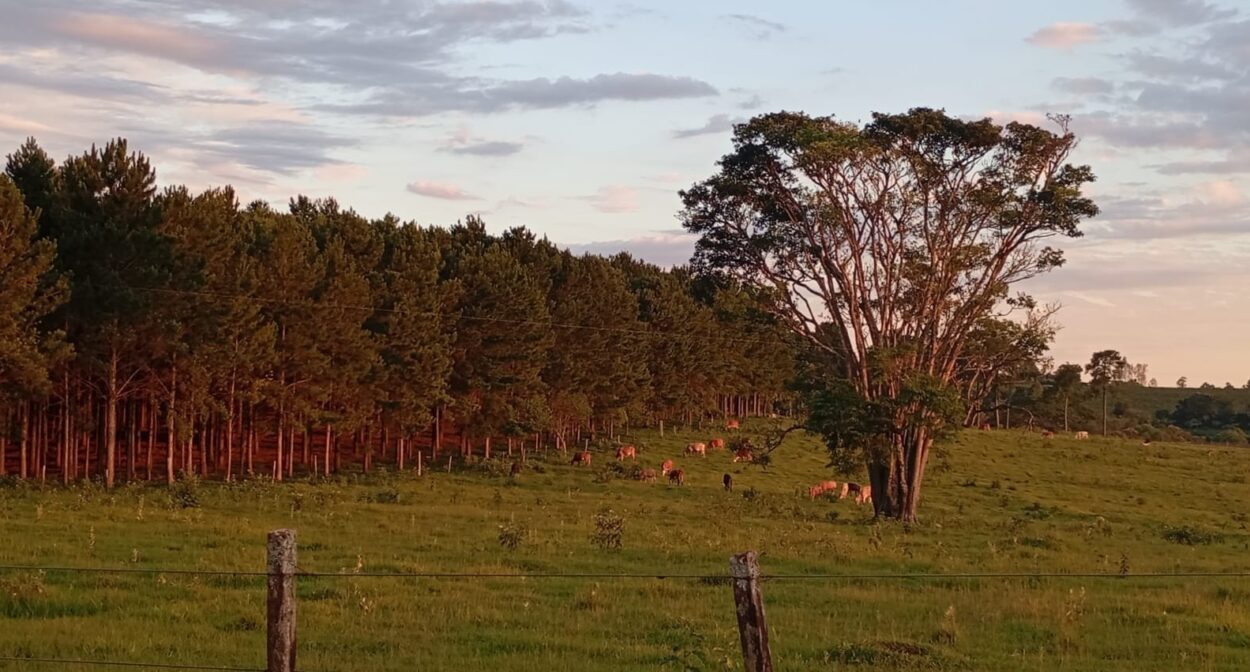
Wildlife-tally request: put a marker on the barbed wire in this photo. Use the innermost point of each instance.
(117, 663)
(848, 576)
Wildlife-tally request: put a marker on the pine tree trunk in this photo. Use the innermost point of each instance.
(152, 409)
(1104, 410)
(110, 424)
(169, 423)
(329, 430)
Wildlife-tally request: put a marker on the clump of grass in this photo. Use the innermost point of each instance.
(609, 531)
(511, 534)
(1188, 535)
(383, 496)
(948, 630)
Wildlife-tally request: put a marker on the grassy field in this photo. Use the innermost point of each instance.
(995, 502)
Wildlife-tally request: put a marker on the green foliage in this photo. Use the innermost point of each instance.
(609, 532)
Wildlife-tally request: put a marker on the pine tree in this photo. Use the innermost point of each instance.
(29, 291)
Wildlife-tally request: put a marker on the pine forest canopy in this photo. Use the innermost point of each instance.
(157, 331)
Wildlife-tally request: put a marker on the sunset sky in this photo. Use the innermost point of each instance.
(581, 120)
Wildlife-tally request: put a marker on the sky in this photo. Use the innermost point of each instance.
(582, 119)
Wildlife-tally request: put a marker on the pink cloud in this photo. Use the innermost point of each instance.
(443, 190)
(1064, 35)
(141, 37)
(615, 199)
(342, 172)
(9, 122)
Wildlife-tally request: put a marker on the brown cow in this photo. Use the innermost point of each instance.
(626, 451)
(515, 470)
(744, 455)
(821, 488)
(647, 474)
(985, 426)
(666, 466)
(862, 493)
(696, 448)
(581, 457)
(677, 476)
(732, 424)
(716, 444)
(729, 483)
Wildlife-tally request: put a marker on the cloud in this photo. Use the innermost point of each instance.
(614, 199)
(1064, 35)
(662, 248)
(463, 143)
(460, 95)
(720, 123)
(133, 35)
(1084, 86)
(273, 147)
(1090, 298)
(1180, 13)
(759, 27)
(441, 190)
(9, 122)
(1216, 208)
(754, 102)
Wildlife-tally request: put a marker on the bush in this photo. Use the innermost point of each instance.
(609, 530)
(185, 492)
(1190, 536)
(1232, 436)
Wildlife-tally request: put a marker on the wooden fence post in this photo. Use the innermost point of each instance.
(281, 601)
(752, 626)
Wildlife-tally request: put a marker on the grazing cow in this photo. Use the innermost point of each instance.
(716, 444)
(744, 455)
(647, 474)
(732, 425)
(1082, 435)
(581, 457)
(666, 466)
(1047, 434)
(696, 448)
(515, 470)
(729, 483)
(854, 489)
(821, 488)
(677, 476)
(864, 495)
(626, 451)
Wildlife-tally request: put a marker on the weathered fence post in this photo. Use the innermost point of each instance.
(752, 626)
(281, 601)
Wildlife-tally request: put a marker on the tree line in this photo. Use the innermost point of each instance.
(149, 331)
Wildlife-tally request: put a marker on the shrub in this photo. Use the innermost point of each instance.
(1187, 535)
(609, 530)
(185, 492)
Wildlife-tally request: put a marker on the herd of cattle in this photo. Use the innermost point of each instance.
(677, 476)
(667, 470)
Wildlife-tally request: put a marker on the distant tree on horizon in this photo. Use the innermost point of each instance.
(1104, 368)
